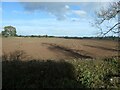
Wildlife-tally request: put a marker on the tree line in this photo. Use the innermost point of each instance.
(10, 31)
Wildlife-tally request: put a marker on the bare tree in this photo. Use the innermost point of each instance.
(107, 15)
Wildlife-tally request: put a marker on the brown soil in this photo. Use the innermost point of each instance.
(59, 48)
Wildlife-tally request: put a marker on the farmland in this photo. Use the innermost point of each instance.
(60, 48)
(59, 63)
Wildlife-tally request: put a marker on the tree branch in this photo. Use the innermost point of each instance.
(111, 29)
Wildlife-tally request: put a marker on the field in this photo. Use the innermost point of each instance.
(59, 63)
(59, 48)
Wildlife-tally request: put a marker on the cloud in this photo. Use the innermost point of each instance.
(75, 19)
(57, 9)
(80, 12)
(61, 10)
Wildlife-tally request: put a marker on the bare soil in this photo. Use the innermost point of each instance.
(59, 48)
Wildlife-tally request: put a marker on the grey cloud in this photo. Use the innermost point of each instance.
(62, 10)
(59, 10)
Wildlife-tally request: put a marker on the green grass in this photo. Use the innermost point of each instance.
(87, 73)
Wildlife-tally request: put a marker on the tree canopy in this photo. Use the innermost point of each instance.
(9, 31)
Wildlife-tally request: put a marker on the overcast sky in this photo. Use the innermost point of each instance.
(51, 18)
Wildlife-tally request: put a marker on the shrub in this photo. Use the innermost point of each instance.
(85, 73)
(97, 73)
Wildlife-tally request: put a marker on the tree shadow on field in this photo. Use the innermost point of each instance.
(18, 74)
(67, 51)
(103, 48)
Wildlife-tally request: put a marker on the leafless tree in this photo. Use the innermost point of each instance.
(107, 15)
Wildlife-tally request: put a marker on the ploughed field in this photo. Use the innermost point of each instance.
(60, 48)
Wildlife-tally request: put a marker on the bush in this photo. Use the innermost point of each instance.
(98, 73)
(86, 73)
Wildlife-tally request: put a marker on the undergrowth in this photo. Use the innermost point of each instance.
(77, 73)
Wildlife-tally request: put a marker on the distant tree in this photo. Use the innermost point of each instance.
(9, 31)
(108, 14)
(46, 35)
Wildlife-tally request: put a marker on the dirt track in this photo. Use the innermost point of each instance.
(58, 48)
